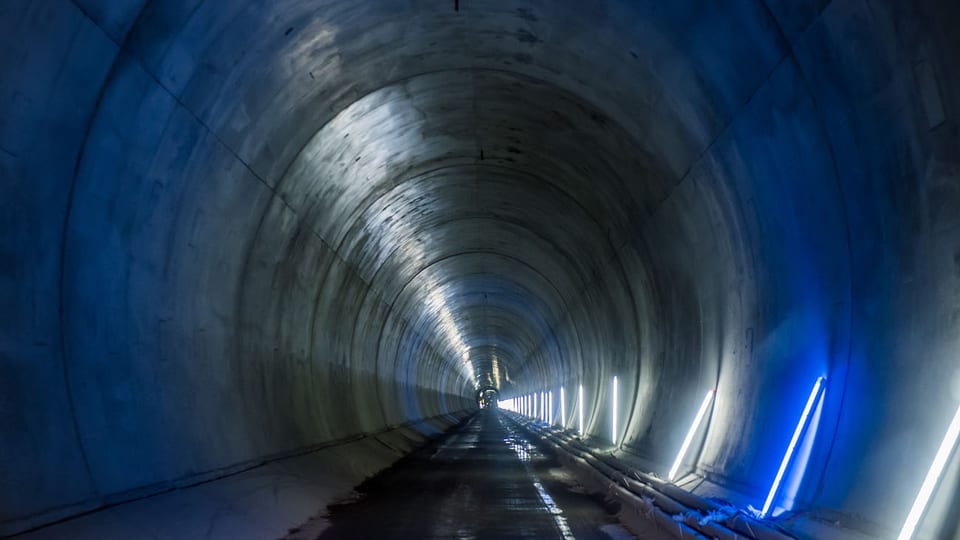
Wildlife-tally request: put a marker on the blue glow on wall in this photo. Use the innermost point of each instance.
(791, 447)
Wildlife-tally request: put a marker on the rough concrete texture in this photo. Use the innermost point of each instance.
(265, 500)
(236, 229)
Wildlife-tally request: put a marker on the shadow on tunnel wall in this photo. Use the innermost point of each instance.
(231, 230)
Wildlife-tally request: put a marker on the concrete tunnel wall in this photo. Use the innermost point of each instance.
(233, 230)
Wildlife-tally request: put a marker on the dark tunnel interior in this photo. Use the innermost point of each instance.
(243, 235)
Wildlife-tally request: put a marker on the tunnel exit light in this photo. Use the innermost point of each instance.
(563, 410)
(932, 478)
(613, 420)
(580, 410)
(788, 456)
(689, 438)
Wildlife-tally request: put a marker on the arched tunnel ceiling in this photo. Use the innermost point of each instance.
(324, 218)
(426, 185)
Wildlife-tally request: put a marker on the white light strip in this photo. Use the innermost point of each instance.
(550, 414)
(693, 430)
(580, 410)
(791, 447)
(563, 410)
(933, 477)
(613, 420)
(546, 410)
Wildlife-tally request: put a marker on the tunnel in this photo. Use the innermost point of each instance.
(254, 252)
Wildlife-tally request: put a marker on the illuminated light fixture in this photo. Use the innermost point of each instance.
(689, 438)
(563, 410)
(932, 478)
(550, 416)
(544, 411)
(580, 409)
(613, 421)
(801, 425)
(546, 407)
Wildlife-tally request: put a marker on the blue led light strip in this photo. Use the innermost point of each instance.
(801, 425)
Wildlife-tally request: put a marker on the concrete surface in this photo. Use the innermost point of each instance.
(483, 480)
(261, 500)
(238, 229)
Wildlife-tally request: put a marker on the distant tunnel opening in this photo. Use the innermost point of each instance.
(488, 398)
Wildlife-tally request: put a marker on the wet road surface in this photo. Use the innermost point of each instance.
(483, 480)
